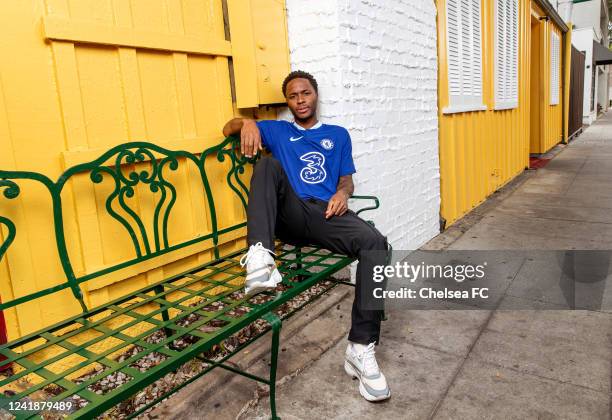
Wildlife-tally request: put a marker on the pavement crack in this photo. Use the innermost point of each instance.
(575, 176)
(546, 378)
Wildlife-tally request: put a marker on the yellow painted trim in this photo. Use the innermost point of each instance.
(61, 29)
(537, 10)
(243, 52)
(193, 145)
(271, 47)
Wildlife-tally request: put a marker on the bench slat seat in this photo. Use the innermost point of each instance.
(202, 307)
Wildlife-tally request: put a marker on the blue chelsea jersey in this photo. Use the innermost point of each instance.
(314, 159)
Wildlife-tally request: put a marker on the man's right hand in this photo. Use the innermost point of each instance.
(250, 138)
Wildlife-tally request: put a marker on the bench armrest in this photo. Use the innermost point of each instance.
(374, 206)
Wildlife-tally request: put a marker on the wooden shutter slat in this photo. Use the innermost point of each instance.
(506, 54)
(554, 68)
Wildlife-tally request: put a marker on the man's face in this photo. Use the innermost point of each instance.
(301, 99)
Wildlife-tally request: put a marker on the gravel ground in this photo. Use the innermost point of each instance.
(183, 373)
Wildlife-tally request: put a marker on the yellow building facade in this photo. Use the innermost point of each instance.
(485, 143)
(85, 75)
(81, 76)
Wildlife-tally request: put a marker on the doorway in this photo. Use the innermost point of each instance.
(536, 88)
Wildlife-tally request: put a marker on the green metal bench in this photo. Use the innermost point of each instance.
(182, 318)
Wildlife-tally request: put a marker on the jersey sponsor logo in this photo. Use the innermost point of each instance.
(327, 144)
(313, 172)
(295, 138)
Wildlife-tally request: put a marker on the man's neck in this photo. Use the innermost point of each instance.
(311, 122)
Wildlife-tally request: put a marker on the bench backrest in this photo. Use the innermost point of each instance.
(122, 166)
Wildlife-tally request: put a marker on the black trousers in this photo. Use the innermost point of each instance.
(275, 210)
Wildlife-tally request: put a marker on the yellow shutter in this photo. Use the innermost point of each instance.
(259, 49)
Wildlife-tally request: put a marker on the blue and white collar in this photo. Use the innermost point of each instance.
(299, 127)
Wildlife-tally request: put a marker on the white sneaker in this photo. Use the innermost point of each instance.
(360, 363)
(262, 273)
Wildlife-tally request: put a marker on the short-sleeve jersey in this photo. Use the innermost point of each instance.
(314, 159)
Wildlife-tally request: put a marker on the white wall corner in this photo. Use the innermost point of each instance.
(376, 65)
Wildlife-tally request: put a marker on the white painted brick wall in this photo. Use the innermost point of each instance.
(376, 65)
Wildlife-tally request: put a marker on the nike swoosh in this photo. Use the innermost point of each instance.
(295, 138)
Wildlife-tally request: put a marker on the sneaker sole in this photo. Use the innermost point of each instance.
(364, 393)
(270, 284)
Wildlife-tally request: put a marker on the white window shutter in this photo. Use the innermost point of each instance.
(555, 61)
(506, 54)
(464, 53)
(454, 47)
(476, 52)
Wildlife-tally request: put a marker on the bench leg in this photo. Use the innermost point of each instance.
(298, 265)
(298, 257)
(275, 323)
(165, 316)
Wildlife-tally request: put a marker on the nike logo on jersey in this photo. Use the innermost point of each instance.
(295, 138)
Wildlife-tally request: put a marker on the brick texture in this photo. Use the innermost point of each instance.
(376, 65)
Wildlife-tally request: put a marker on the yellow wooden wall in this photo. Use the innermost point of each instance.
(80, 76)
(480, 151)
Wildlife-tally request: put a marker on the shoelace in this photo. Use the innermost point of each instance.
(254, 250)
(370, 366)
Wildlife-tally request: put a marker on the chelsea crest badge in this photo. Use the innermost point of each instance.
(327, 144)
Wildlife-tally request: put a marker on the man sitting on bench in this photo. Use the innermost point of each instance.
(300, 195)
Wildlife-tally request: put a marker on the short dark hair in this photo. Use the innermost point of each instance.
(299, 74)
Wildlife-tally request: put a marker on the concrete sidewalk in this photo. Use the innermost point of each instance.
(503, 363)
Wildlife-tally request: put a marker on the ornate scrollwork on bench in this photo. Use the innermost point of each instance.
(125, 184)
(229, 149)
(10, 190)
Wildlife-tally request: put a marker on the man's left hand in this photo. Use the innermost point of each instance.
(337, 205)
